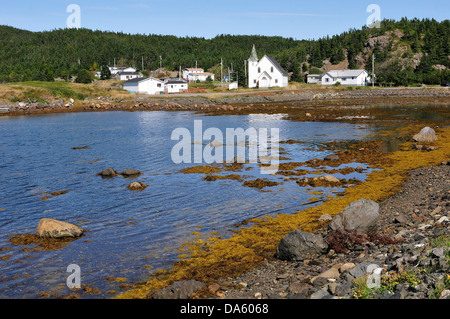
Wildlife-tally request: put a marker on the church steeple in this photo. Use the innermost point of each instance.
(253, 56)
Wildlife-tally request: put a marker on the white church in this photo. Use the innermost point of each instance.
(265, 73)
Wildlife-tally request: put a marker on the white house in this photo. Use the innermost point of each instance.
(114, 70)
(346, 77)
(144, 85)
(266, 72)
(314, 78)
(175, 85)
(197, 74)
(125, 76)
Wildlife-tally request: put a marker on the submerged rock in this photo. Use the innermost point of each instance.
(51, 228)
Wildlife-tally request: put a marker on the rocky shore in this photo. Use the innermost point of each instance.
(397, 249)
(411, 248)
(227, 102)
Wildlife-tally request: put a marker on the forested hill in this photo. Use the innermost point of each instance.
(407, 51)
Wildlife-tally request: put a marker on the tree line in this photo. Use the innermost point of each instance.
(67, 53)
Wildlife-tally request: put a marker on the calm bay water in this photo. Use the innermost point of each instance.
(129, 233)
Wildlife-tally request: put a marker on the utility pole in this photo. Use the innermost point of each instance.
(373, 70)
(142, 63)
(221, 70)
(160, 62)
(245, 69)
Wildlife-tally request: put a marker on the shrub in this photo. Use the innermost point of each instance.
(84, 76)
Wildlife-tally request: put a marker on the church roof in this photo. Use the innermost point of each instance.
(253, 56)
(277, 65)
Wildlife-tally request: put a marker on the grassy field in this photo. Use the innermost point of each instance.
(47, 91)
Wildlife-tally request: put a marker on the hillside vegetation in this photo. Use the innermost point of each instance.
(407, 52)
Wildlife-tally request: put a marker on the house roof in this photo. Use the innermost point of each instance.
(203, 73)
(137, 80)
(277, 65)
(128, 73)
(176, 81)
(194, 69)
(345, 73)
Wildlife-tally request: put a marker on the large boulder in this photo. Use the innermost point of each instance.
(179, 290)
(360, 216)
(299, 245)
(51, 228)
(427, 134)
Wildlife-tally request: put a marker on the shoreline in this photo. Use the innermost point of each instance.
(241, 102)
(416, 219)
(213, 260)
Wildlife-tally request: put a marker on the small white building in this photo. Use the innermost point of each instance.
(314, 78)
(125, 76)
(346, 77)
(175, 85)
(144, 85)
(197, 74)
(114, 70)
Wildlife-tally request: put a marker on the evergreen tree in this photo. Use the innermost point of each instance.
(105, 74)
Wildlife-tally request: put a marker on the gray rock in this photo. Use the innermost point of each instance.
(321, 294)
(299, 245)
(401, 219)
(438, 252)
(360, 216)
(179, 290)
(360, 270)
(299, 290)
(427, 134)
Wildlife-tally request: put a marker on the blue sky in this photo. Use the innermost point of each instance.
(207, 18)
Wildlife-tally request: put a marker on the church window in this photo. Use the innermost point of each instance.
(259, 70)
(271, 69)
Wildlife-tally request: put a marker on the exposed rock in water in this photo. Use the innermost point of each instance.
(51, 228)
(109, 172)
(137, 186)
(130, 172)
(427, 134)
(298, 245)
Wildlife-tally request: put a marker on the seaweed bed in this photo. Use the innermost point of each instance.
(214, 257)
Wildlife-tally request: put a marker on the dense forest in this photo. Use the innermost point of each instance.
(407, 52)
